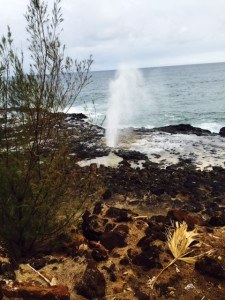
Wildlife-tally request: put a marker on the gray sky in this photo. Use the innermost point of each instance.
(140, 33)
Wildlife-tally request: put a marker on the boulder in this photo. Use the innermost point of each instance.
(190, 219)
(131, 155)
(93, 226)
(93, 284)
(222, 132)
(116, 238)
(119, 214)
(147, 259)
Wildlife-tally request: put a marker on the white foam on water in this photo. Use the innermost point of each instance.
(212, 126)
(110, 160)
(74, 109)
(167, 149)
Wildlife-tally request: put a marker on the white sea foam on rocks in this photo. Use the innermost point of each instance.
(167, 149)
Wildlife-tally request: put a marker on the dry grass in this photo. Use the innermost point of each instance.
(181, 243)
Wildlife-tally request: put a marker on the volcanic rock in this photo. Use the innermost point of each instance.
(140, 295)
(183, 128)
(93, 284)
(222, 132)
(99, 252)
(111, 271)
(131, 155)
(120, 215)
(210, 266)
(38, 263)
(217, 220)
(78, 116)
(92, 226)
(115, 238)
(181, 215)
(107, 194)
(146, 259)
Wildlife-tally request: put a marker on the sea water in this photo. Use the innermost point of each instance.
(191, 94)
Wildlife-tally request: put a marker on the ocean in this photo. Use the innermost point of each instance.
(156, 97)
(190, 94)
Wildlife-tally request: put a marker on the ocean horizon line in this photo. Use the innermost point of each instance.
(160, 66)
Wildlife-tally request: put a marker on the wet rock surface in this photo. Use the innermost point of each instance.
(131, 155)
(183, 128)
(222, 132)
(176, 129)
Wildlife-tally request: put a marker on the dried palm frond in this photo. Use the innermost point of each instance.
(180, 242)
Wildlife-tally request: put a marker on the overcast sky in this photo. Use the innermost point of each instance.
(142, 33)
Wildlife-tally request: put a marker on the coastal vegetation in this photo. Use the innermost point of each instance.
(35, 87)
(74, 228)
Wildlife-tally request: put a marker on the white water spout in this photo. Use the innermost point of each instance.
(124, 91)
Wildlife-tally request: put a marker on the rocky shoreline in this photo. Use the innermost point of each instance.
(120, 242)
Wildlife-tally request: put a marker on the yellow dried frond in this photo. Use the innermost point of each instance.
(180, 240)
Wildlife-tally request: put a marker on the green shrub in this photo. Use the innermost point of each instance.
(34, 165)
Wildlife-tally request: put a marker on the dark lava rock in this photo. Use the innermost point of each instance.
(98, 208)
(38, 264)
(217, 220)
(99, 255)
(155, 221)
(111, 271)
(146, 241)
(193, 207)
(146, 261)
(78, 116)
(183, 128)
(92, 226)
(209, 266)
(120, 214)
(99, 252)
(93, 284)
(107, 194)
(222, 132)
(85, 151)
(124, 261)
(131, 155)
(115, 238)
(140, 295)
(153, 232)
(181, 215)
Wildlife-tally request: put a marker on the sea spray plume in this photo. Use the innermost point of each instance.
(124, 91)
